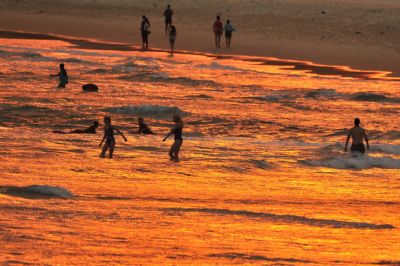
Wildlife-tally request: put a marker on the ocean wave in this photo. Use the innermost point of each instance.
(285, 218)
(242, 256)
(373, 97)
(147, 110)
(359, 162)
(322, 93)
(262, 164)
(165, 78)
(216, 65)
(37, 191)
(386, 148)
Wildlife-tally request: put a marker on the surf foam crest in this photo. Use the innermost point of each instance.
(359, 162)
(147, 110)
(38, 191)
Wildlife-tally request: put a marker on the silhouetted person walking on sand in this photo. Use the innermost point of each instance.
(172, 37)
(218, 32)
(177, 131)
(228, 28)
(357, 134)
(63, 77)
(89, 130)
(143, 127)
(145, 32)
(109, 138)
(168, 18)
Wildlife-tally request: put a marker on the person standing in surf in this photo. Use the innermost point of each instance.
(217, 28)
(109, 138)
(228, 28)
(145, 32)
(172, 38)
(357, 134)
(168, 18)
(63, 76)
(177, 132)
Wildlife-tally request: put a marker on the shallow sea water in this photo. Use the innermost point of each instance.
(263, 177)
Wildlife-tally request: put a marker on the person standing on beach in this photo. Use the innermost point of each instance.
(177, 132)
(63, 76)
(172, 37)
(217, 28)
(109, 138)
(228, 28)
(168, 18)
(357, 134)
(145, 31)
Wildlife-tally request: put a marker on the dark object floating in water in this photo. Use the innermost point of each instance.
(90, 87)
(323, 12)
(357, 32)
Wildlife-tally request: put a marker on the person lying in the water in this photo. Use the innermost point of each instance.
(357, 135)
(89, 130)
(143, 127)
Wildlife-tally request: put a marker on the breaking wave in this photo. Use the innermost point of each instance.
(285, 218)
(359, 162)
(147, 110)
(37, 191)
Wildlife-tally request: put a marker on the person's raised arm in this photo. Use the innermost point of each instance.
(347, 141)
(366, 139)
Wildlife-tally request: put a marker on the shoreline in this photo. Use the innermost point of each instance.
(311, 67)
(349, 51)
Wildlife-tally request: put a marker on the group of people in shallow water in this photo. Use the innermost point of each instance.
(171, 32)
(110, 131)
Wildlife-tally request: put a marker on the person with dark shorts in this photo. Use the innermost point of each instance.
(177, 132)
(89, 130)
(228, 28)
(217, 28)
(109, 138)
(357, 134)
(143, 127)
(145, 32)
(168, 18)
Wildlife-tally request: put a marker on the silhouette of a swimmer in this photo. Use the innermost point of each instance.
(172, 37)
(228, 28)
(168, 18)
(217, 28)
(357, 134)
(143, 127)
(89, 130)
(109, 138)
(63, 76)
(177, 132)
(145, 31)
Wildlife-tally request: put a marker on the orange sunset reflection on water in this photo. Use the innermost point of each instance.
(263, 177)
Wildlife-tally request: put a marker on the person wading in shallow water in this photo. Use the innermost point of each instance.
(357, 135)
(109, 138)
(145, 32)
(63, 76)
(177, 132)
(168, 18)
(172, 38)
(217, 28)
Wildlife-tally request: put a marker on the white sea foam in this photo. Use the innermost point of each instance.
(359, 162)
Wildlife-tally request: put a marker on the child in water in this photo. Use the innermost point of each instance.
(109, 138)
(177, 131)
(143, 127)
(89, 130)
(63, 77)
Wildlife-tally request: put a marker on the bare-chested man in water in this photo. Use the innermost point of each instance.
(357, 134)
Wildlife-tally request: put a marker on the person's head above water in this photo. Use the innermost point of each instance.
(168, 6)
(357, 122)
(218, 18)
(107, 120)
(176, 118)
(96, 123)
(228, 21)
(62, 66)
(140, 120)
